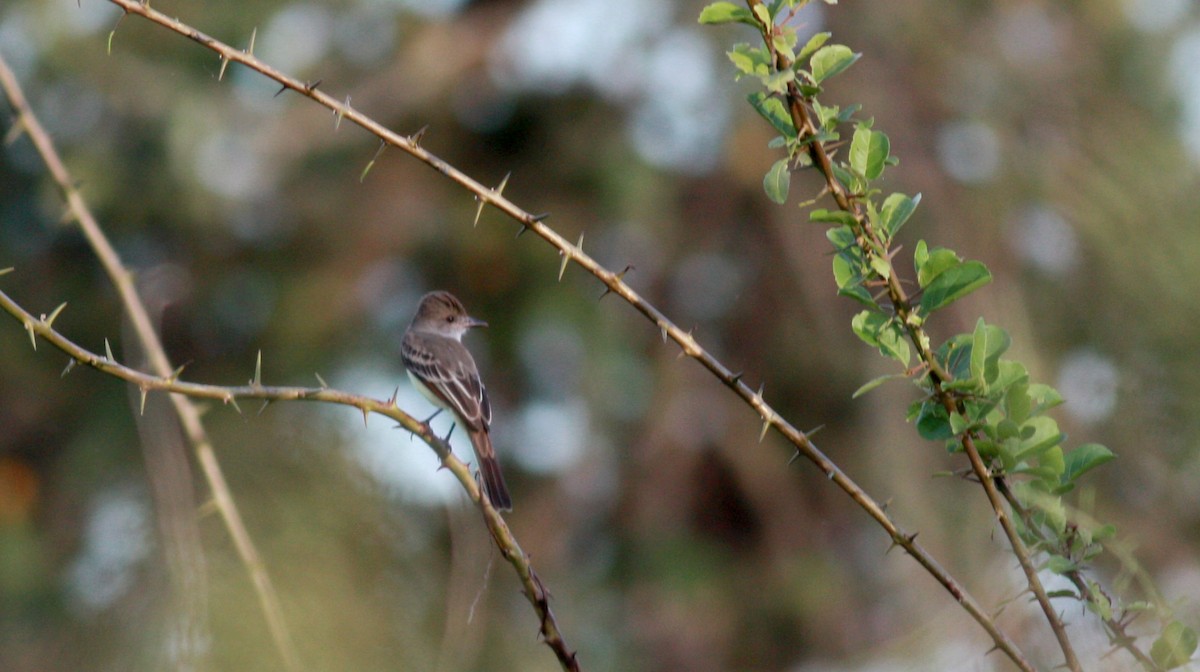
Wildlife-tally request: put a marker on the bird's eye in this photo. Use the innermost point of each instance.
(449, 318)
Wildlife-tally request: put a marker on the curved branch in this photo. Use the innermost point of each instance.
(531, 584)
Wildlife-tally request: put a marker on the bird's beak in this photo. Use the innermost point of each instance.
(472, 322)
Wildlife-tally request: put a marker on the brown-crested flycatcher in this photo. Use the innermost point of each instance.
(443, 371)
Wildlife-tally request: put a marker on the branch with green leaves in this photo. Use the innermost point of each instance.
(973, 400)
(43, 327)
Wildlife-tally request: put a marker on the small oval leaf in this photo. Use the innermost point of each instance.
(777, 181)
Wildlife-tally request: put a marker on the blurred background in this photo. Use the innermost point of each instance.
(1056, 142)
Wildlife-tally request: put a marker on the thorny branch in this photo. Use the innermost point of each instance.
(531, 584)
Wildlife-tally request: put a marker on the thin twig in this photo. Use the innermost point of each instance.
(614, 283)
(505, 541)
(188, 415)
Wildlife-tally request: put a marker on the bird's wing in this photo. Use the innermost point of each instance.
(457, 384)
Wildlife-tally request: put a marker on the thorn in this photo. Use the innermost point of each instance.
(392, 402)
(503, 183)
(365, 413)
(451, 432)
(32, 338)
(810, 433)
(664, 332)
(108, 351)
(340, 114)
(435, 414)
(607, 290)
(49, 321)
(522, 230)
(142, 410)
(257, 382)
(207, 509)
(70, 365)
(282, 88)
(324, 385)
(794, 458)
(539, 218)
(415, 138)
(5, 271)
(371, 163)
(229, 399)
(628, 268)
(178, 371)
(478, 211)
(737, 377)
(253, 34)
(17, 130)
(224, 64)
(113, 32)
(66, 217)
(266, 402)
(762, 434)
(312, 86)
(562, 268)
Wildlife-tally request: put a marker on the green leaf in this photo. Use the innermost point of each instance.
(953, 284)
(897, 208)
(849, 280)
(1056, 514)
(834, 217)
(1017, 402)
(1100, 604)
(784, 42)
(867, 325)
(777, 81)
(1044, 396)
(1174, 648)
(1060, 565)
(1085, 457)
(874, 383)
(842, 237)
(750, 60)
(892, 343)
(882, 267)
(931, 263)
(763, 14)
(987, 344)
(726, 12)
(869, 151)
(773, 110)
(831, 60)
(933, 423)
(958, 424)
(777, 181)
(1038, 435)
(812, 45)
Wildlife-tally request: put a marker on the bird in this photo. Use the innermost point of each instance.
(443, 371)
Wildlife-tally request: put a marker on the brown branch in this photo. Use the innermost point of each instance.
(532, 585)
(143, 327)
(614, 284)
(868, 239)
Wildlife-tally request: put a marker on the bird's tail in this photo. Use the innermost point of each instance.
(489, 469)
